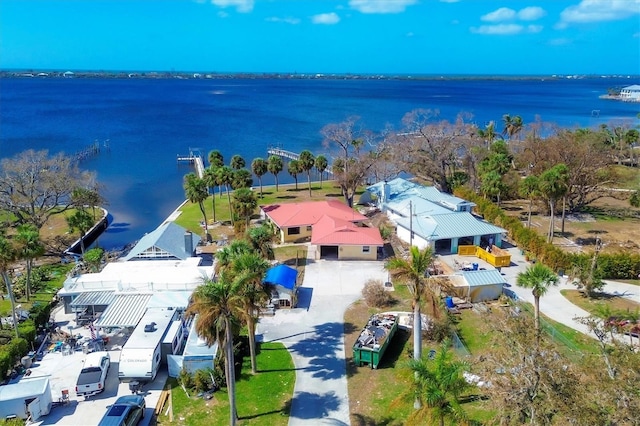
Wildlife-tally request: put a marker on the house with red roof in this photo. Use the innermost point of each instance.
(336, 229)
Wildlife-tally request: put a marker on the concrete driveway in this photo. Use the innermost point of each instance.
(313, 334)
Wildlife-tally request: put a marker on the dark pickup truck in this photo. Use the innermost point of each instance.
(94, 374)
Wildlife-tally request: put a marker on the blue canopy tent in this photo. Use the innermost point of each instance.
(283, 278)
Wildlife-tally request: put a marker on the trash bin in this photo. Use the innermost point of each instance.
(561, 272)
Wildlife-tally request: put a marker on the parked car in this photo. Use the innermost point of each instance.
(126, 411)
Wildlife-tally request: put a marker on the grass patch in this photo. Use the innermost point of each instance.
(628, 177)
(46, 291)
(191, 216)
(594, 305)
(261, 399)
(291, 255)
(633, 282)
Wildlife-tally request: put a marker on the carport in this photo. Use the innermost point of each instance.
(125, 311)
(86, 305)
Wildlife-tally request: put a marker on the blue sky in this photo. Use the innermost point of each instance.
(324, 36)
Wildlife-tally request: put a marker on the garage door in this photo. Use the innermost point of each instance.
(329, 252)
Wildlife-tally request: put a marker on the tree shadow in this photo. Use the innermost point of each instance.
(286, 197)
(285, 410)
(321, 349)
(314, 405)
(334, 195)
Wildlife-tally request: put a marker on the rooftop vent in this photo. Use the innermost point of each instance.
(149, 328)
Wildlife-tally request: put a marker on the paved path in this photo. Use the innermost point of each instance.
(553, 304)
(313, 334)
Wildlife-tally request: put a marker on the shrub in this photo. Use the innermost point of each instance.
(185, 379)
(439, 329)
(202, 380)
(375, 295)
(27, 330)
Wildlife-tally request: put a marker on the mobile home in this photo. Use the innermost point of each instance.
(27, 398)
(141, 355)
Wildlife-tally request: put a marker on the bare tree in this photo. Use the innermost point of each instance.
(34, 185)
(431, 150)
(356, 153)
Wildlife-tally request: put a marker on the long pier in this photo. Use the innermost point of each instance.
(290, 155)
(194, 157)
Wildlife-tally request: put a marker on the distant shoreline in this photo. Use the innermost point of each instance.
(287, 76)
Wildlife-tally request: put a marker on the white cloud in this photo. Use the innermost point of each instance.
(242, 6)
(599, 10)
(285, 20)
(506, 29)
(531, 13)
(381, 6)
(325, 18)
(502, 14)
(500, 29)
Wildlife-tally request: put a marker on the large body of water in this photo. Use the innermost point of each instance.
(149, 122)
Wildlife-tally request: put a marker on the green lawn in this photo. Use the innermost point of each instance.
(261, 399)
(45, 293)
(191, 216)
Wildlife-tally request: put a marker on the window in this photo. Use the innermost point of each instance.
(293, 231)
(366, 249)
(308, 228)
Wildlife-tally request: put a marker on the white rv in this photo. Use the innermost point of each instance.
(141, 355)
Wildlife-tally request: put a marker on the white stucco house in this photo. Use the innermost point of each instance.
(427, 217)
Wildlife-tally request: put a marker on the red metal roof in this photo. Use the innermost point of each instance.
(333, 231)
(308, 213)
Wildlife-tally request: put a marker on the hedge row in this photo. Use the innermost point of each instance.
(16, 348)
(610, 266)
(11, 352)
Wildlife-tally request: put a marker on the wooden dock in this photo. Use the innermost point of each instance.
(194, 157)
(290, 155)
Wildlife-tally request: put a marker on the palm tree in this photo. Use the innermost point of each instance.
(261, 238)
(259, 168)
(321, 166)
(553, 185)
(250, 269)
(512, 125)
(81, 221)
(306, 162)
(216, 159)
(225, 177)
(275, 166)
(226, 255)
(8, 255)
(538, 278)
(529, 189)
(440, 384)
(218, 307)
(196, 191)
(294, 169)
(237, 162)
(242, 178)
(245, 203)
(211, 180)
(489, 133)
(413, 272)
(29, 248)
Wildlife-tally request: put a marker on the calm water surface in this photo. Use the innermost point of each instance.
(149, 122)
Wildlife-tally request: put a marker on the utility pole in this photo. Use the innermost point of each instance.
(410, 224)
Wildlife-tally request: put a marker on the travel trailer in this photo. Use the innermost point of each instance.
(141, 355)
